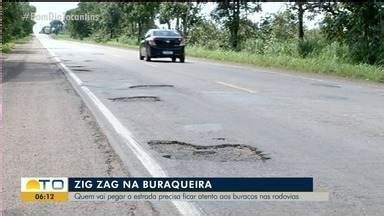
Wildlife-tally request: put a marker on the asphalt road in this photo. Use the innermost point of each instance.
(48, 131)
(328, 128)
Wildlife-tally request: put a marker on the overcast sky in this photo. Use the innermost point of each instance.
(46, 8)
(54, 10)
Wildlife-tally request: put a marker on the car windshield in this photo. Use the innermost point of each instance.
(165, 33)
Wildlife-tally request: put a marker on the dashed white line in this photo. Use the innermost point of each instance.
(246, 67)
(236, 87)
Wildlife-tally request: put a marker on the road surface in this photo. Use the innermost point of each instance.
(301, 125)
(48, 131)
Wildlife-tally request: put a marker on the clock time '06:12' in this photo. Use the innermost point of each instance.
(44, 196)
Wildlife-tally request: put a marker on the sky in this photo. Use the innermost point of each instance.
(47, 11)
(53, 9)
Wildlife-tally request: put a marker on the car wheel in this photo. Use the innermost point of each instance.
(147, 58)
(141, 57)
(173, 59)
(182, 59)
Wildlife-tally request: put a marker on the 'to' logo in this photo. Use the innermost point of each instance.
(43, 189)
(44, 184)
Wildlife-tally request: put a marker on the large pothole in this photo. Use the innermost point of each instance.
(223, 153)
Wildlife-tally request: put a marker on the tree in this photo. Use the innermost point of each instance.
(17, 20)
(185, 14)
(300, 7)
(142, 15)
(111, 18)
(360, 26)
(230, 13)
(264, 28)
(166, 13)
(334, 21)
(56, 26)
(201, 35)
(283, 25)
(78, 28)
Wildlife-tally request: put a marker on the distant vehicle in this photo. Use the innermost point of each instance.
(161, 43)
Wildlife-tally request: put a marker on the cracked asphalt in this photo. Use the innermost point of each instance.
(308, 125)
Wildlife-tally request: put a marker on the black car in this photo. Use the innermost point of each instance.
(160, 43)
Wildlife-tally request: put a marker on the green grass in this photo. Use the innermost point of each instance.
(91, 41)
(311, 65)
(7, 47)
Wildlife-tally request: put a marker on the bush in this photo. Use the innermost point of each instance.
(335, 51)
(254, 46)
(208, 35)
(99, 37)
(270, 47)
(306, 47)
(282, 48)
(127, 40)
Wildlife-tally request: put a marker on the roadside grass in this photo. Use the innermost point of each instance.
(92, 41)
(313, 65)
(310, 64)
(7, 47)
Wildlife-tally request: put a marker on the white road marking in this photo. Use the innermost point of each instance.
(236, 87)
(154, 168)
(246, 67)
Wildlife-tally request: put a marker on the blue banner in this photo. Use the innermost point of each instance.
(181, 184)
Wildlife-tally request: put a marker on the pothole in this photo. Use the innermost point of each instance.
(326, 85)
(70, 91)
(333, 97)
(150, 86)
(219, 138)
(135, 98)
(222, 153)
(81, 70)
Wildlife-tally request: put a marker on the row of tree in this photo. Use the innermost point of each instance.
(357, 25)
(131, 19)
(16, 20)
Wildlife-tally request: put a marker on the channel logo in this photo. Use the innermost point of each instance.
(44, 189)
